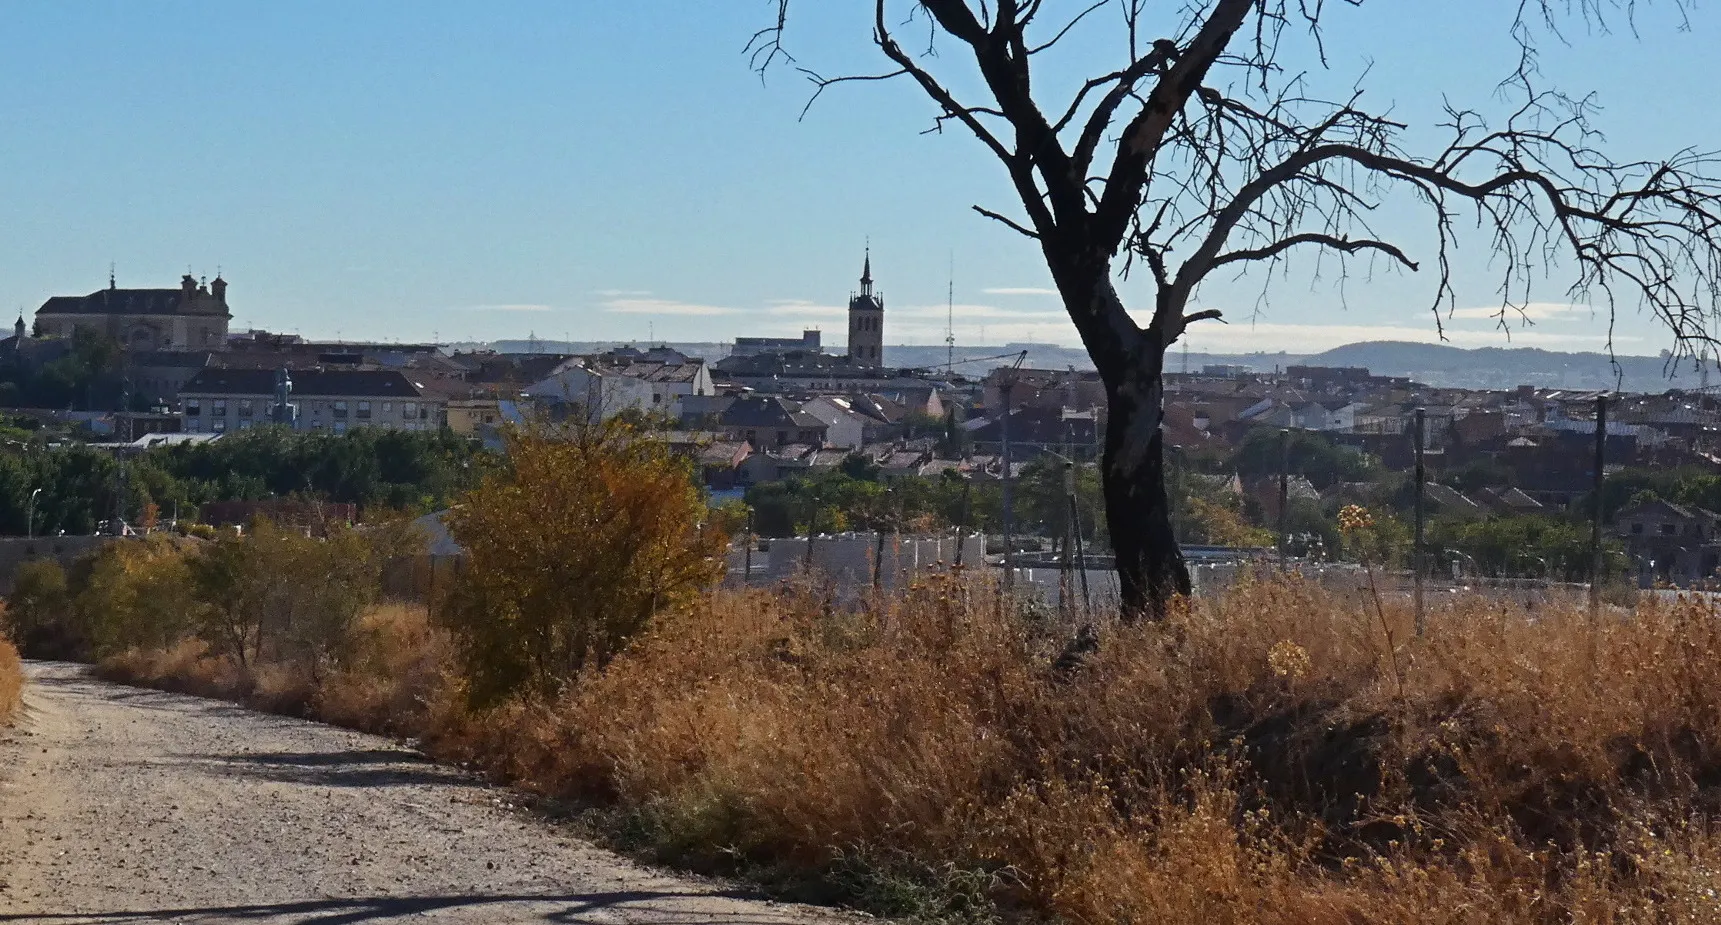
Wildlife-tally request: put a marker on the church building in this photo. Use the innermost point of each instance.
(866, 322)
(192, 317)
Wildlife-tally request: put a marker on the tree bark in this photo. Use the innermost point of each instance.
(1150, 566)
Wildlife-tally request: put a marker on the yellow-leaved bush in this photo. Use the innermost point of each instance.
(589, 531)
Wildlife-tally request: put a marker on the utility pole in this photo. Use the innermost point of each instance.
(877, 557)
(1416, 553)
(1284, 495)
(1006, 383)
(30, 515)
(812, 531)
(878, 548)
(1064, 588)
(1073, 536)
(747, 557)
(1595, 523)
(1004, 388)
(962, 521)
(1174, 486)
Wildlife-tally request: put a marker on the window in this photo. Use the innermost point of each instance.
(387, 407)
(1637, 529)
(364, 410)
(244, 407)
(218, 407)
(220, 425)
(340, 411)
(409, 410)
(340, 427)
(193, 426)
(1669, 529)
(244, 425)
(193, 407)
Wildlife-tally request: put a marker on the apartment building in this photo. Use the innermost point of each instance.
(220, 400)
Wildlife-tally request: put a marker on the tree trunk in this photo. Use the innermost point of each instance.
(1129, 360)
(1150, 565)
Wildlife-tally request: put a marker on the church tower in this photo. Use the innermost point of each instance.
(866, 321)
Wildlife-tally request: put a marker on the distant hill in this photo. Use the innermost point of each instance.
(1505, 368)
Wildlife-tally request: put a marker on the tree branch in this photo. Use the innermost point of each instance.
(1347, 245)
(1007, 221)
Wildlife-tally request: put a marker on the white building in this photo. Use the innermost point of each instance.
(847, 428)
(626, 380)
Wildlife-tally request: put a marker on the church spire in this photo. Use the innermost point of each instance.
(866, 273)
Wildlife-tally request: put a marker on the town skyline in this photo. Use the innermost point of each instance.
(352, 185)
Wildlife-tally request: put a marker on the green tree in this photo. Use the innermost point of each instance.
(1312, 456)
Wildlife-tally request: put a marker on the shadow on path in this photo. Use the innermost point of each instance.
(657, 908)
(372, 767)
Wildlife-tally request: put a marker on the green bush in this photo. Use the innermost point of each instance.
(39, 613)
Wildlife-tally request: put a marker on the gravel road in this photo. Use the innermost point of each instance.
(124, 805)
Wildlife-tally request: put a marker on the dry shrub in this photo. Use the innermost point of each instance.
(1279, 754)
(570, 552)
(394, 676)
(397, 677)
(11, 682)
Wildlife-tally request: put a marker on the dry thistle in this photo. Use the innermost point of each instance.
(1354, 518)
(1289, 660)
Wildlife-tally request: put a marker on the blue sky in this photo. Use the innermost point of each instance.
(604, 169)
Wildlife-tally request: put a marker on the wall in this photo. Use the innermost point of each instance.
(847, 558)
(16, 550)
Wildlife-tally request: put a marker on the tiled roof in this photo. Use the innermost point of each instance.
(341, 383)
(129, 302)
(768, 411)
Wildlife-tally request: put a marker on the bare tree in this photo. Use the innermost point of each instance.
(1206, 151)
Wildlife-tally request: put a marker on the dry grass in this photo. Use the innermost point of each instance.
(11, 682)
(1280, 755)
(391, 681)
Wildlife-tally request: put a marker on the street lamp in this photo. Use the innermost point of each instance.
(30, 515)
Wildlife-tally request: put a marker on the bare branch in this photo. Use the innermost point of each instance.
(1347, 245)
(1007, 221)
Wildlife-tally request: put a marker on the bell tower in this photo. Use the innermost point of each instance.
(866, 321)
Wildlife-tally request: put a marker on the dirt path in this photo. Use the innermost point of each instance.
(123, 805)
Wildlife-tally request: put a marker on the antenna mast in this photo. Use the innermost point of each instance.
(950, 319)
